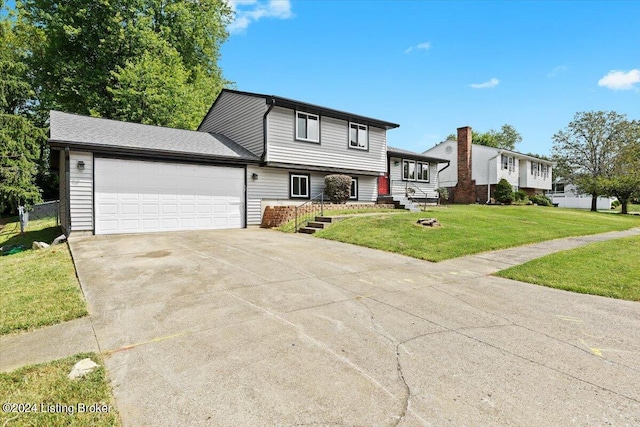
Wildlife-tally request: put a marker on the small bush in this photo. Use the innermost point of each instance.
(541, 200)
(338, 188)
(615, 204)
(443, 193)
(504, 192)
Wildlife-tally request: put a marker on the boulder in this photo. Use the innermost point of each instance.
(428, 222)
(82, 368)
(39, 245)
(61, 238)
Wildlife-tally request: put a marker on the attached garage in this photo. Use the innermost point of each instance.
(119, 177)
(141, 196)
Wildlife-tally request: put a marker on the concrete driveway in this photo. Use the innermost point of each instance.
(255, 327)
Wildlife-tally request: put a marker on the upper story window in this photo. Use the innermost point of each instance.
(307, 127)
(545, 171)
(508, 162)
(358, 136)
(535, 168)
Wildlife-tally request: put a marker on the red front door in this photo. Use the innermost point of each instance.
(383, 185)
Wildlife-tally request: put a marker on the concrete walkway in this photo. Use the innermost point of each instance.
(258, 327)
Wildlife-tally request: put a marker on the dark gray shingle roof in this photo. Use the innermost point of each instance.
(393, 151)
(91, 132)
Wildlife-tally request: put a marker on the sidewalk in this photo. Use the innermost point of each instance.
(78, 335)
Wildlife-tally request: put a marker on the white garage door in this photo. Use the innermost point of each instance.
(139, 196)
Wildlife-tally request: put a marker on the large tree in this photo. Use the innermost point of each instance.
(151, 61)
(624, 181)
(588, 147)
(507, 137)
(20, 139)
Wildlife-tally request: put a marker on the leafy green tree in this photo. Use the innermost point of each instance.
(88, 57)
(20, 139)
(588, 146)
(507, 137)
(624, 182)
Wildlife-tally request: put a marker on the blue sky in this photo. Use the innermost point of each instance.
(436, 66)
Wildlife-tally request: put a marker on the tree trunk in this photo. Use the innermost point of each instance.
(624, 206)
(594, 203)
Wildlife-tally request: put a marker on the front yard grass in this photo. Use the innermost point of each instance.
(470, 229)
(37, 287)
(46, 385)
(607, 268)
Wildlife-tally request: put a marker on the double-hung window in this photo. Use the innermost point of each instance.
(307, 127)
(408, 170)
(354, 189)
(505, 161)
(422, 171)
(358, 136)
(299, 186)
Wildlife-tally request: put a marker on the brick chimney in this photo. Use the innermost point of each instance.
(465, 190)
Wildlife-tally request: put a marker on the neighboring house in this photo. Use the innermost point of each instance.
(250, 151)
(476, 169)
(410, 174)
(566, 195)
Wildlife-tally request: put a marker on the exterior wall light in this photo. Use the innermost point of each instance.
(80, 165)
(254, 176)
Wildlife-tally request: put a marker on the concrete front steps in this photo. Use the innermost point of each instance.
(319, 223)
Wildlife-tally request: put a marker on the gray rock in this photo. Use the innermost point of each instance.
(82, 368)
(60, 239)
(39, 245)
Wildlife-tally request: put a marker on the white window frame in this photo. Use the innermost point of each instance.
(307, 187)
(354, 189)
(307, 115)
(512, 163)
(407, 177)
(504, 162)
(424, 167)
(359, 145)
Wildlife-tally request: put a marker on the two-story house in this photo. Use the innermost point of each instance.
(250, 151)
(298, 145)
(474, 170)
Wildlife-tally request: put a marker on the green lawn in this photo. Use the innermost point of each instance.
(43, 386)
(606, 268)
(469, 229)
(37, 287)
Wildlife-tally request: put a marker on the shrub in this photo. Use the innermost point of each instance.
(520, 196)
(338, 188)
(541, 200)
(504, 192)
(443, 193)
(615, 204)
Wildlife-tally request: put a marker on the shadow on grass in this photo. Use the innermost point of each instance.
(10, 235)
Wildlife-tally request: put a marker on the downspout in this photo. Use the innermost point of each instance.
(489, 176)
(272, 103)
(438, 174)
(67, 171)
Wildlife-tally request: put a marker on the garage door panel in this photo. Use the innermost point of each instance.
(138, 196)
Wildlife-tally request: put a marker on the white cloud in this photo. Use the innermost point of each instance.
(419, 46)
(620, 80)
(248, 11)
(557, 70)
(488, 84)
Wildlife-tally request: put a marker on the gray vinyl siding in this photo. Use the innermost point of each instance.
(65, 221)
(240, 118)
(398, 185)
(81, 191)
(332, 151)
(272, 188)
